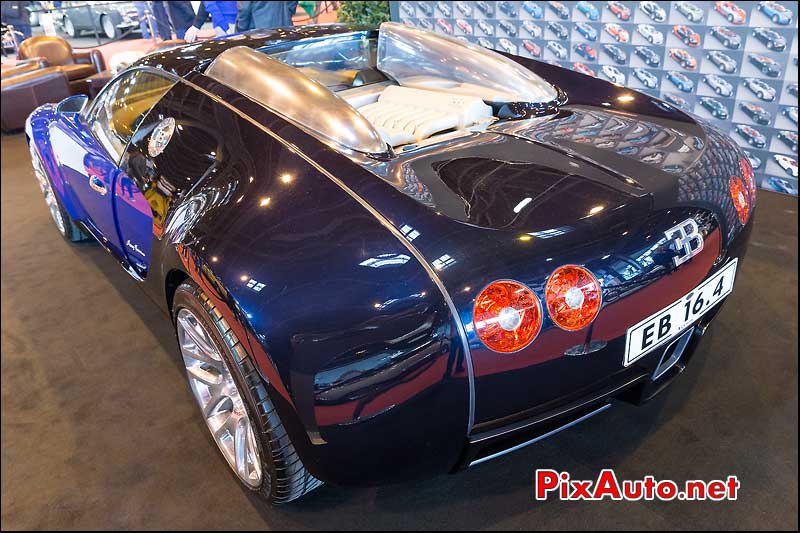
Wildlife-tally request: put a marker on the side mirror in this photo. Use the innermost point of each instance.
(72, 104)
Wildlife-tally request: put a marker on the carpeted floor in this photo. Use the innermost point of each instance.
(99, 429)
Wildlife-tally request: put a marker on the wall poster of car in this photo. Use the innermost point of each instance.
(733, 64)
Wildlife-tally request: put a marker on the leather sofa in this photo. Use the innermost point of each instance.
(48, 71)
(56, 52)
(28, 89)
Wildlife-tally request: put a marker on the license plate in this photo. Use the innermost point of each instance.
(659, 328)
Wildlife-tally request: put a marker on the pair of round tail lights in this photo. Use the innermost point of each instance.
(507, 315)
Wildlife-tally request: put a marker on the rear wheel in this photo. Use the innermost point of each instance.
(233, 400)
(63, 222)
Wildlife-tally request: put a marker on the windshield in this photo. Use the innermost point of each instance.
(338, 63)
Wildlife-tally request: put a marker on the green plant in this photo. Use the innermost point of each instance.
(369, 14)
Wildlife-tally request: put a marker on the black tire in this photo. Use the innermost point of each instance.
(284, 477)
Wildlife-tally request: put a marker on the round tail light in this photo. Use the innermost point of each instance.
(507, 316)
(739, 197)
(573, 297)
(749, 178)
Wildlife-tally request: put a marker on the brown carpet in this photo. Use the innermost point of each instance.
(99, 429)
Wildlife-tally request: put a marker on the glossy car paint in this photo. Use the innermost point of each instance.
(352, 279)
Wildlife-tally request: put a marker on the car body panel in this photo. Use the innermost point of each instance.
(351, 279)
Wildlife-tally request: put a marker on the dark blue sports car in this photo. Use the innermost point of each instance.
(454, 255)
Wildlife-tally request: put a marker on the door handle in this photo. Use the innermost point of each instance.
(97, 185)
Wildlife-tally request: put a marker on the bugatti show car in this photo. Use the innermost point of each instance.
(390, 254)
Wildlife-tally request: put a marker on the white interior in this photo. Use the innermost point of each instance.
(404, 115)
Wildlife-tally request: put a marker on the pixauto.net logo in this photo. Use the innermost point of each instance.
(550, 483)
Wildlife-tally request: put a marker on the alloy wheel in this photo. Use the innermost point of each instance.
(219, 399)
(47, 191)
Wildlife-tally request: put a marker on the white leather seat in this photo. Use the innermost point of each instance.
(403, 115)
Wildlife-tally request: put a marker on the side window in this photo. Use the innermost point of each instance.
(120, 109)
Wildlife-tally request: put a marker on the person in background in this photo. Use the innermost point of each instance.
(182, 15)
(18, 14)
(223, 17)
(141, 9)
(265, 15)
(161, 22)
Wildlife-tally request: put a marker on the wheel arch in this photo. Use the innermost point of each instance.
(172, 281)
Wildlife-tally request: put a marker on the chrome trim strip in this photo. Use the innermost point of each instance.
(540, 437)
(385, 223)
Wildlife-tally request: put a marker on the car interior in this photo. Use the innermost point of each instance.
(450, 85)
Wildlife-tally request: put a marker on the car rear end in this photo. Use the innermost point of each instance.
(527, 226)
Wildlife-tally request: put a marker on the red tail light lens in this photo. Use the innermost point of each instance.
(749, 178)
(507, 316)
(739, 197)
(573, 297)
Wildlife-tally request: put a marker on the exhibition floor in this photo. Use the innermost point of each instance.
(99, 429)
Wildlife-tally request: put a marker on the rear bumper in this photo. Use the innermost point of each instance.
(633, 385)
